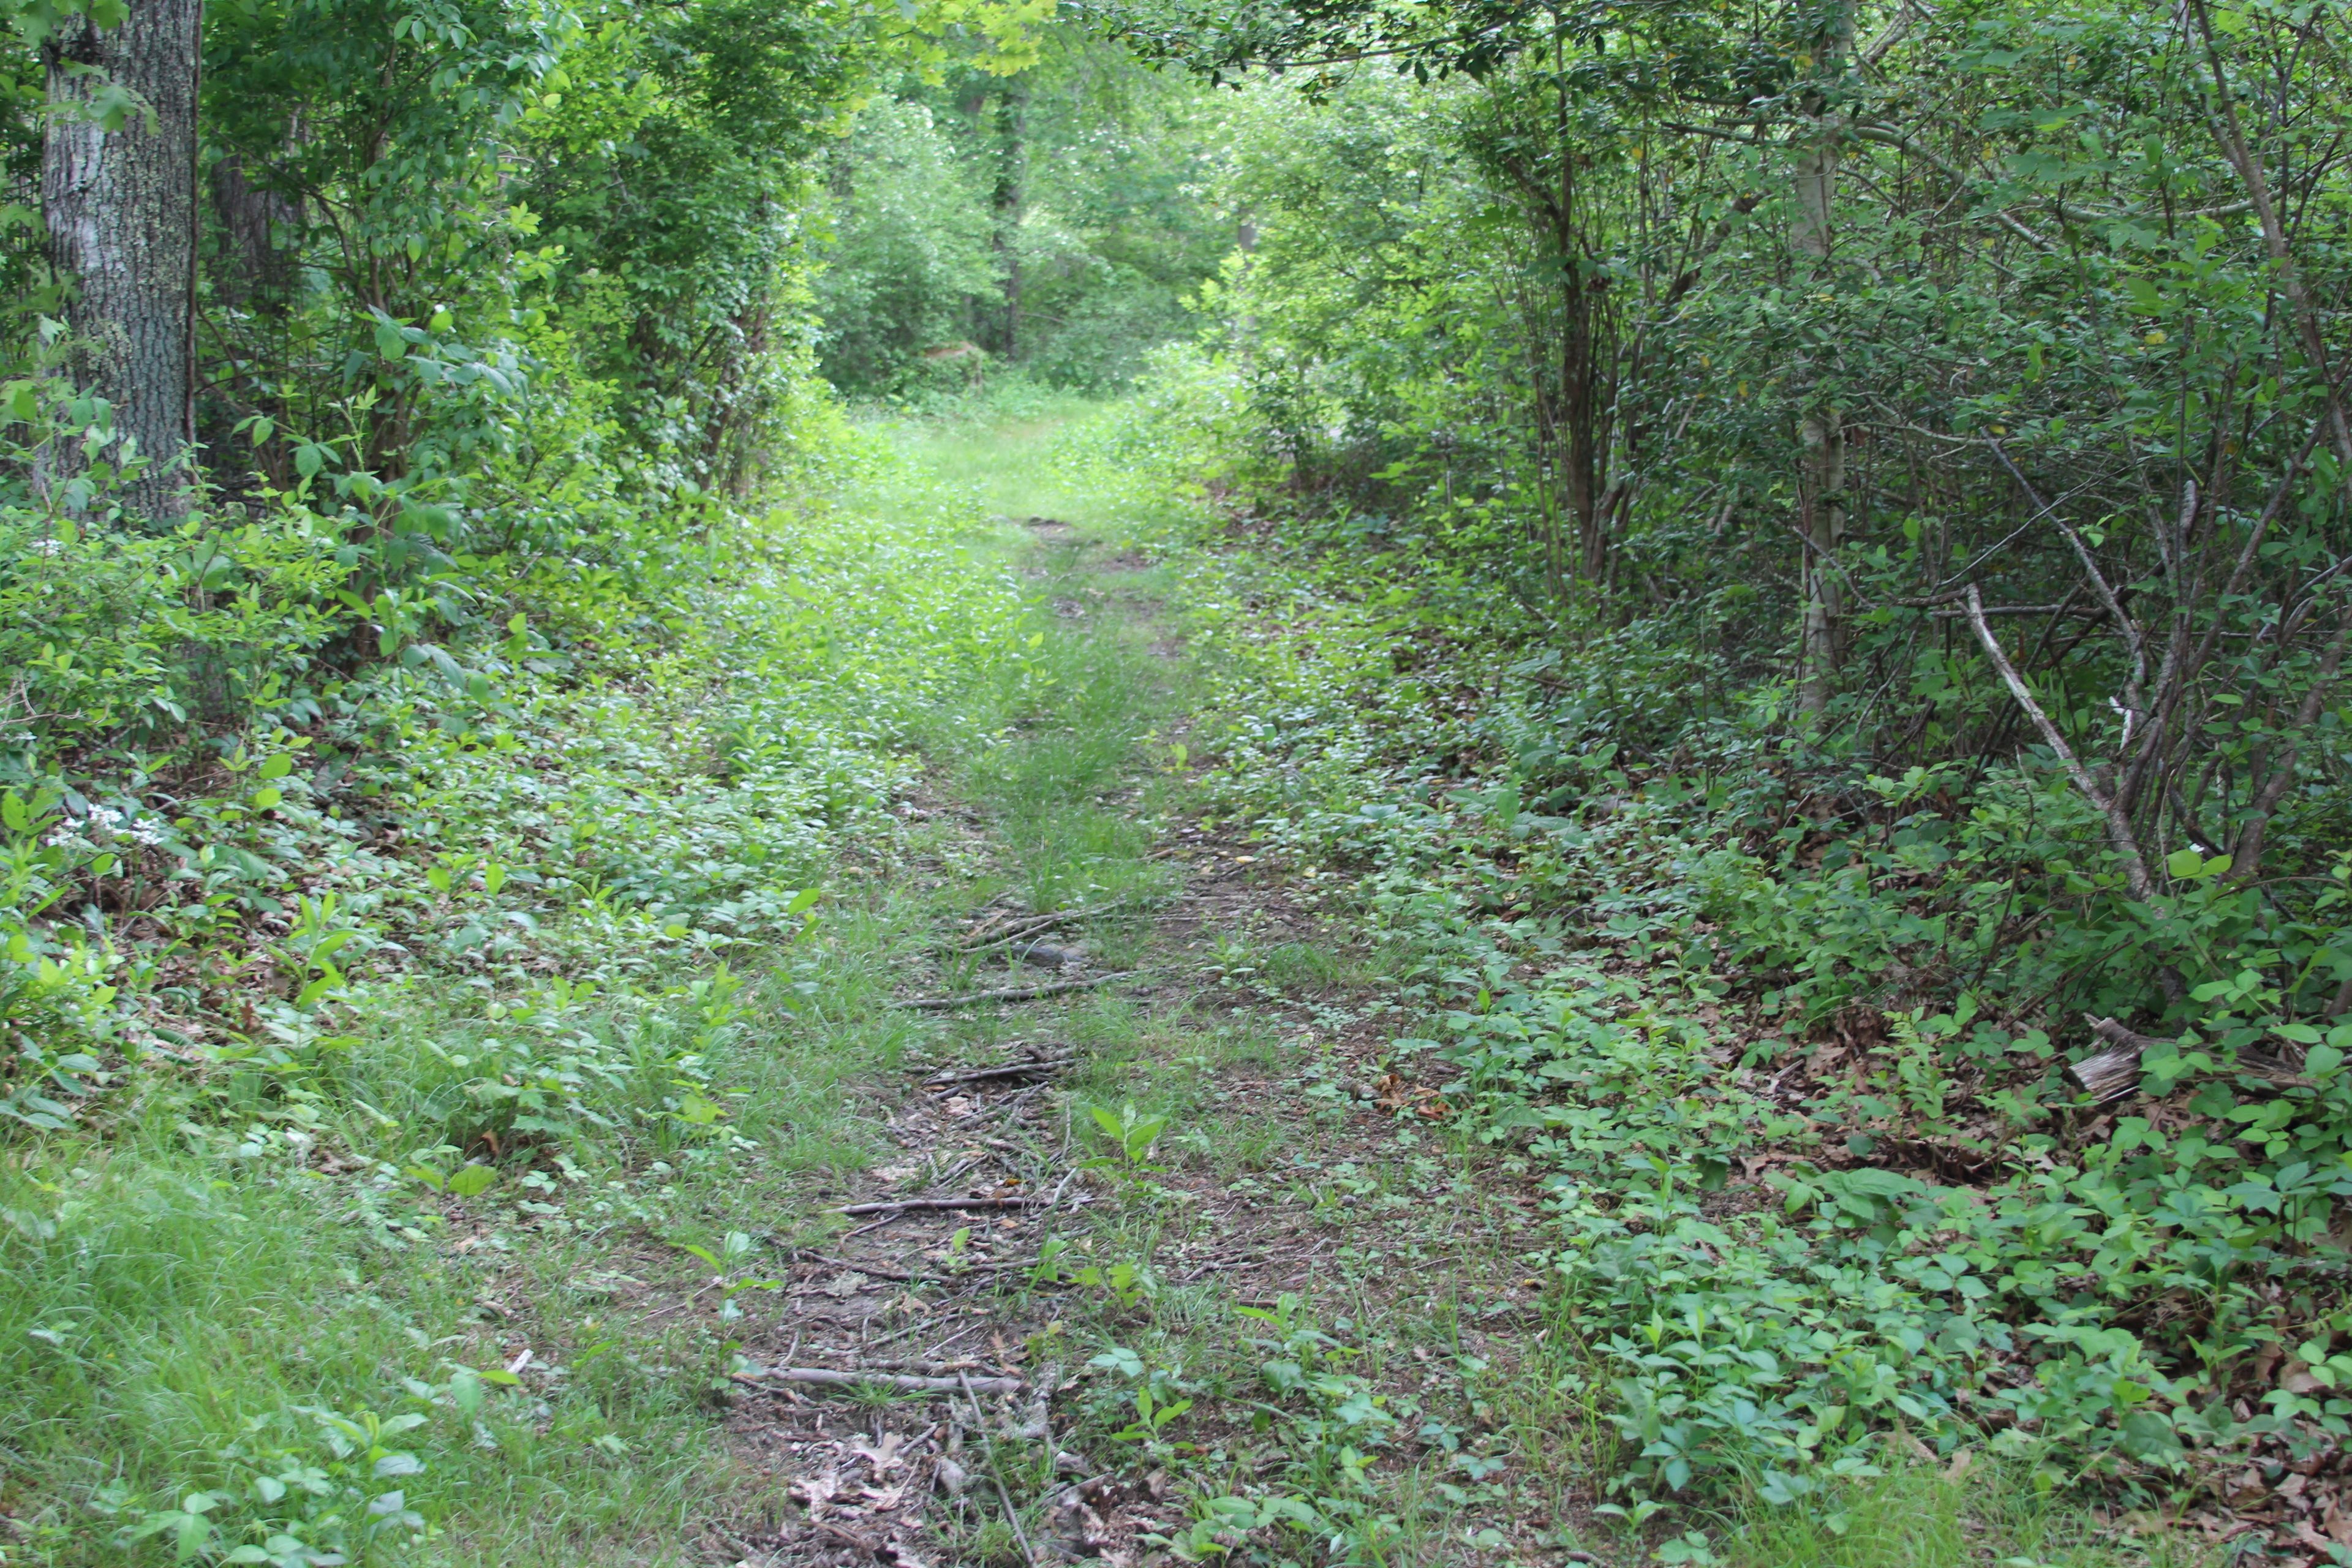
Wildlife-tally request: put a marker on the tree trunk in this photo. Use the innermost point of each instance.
(121, 207)
(1820, 429)
(1011, 168)
(254, 270)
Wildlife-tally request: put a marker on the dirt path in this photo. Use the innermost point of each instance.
(1167, 1193)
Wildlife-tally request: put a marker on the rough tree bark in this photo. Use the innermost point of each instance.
(121, 208)
(1821, 429)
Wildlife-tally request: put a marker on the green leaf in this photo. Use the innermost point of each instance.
(2191, 865)
(471, 1180)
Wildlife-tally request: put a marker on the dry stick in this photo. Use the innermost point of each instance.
(876, 1270)
(1016, 993)
(2119, 829)
(988, 1446)
(1033, 924)
(2135, 699)
(1011, 1070)
(824, 1377)
(901, 1205)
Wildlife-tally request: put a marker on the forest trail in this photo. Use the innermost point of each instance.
(1036, 1328)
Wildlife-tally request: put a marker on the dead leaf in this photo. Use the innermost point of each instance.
(883, 1456)
(817, 1490)
(846, 1284)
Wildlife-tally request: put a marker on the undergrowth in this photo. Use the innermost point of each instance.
(364, 1081)
(1784, 1046)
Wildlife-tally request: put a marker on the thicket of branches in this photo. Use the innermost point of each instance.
(1956, 381)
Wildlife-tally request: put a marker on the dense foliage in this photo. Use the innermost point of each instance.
(1049, 224)
(1815, 599)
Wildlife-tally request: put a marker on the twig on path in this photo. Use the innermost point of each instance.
(1031, 925)
(824, 1377)
(1015, 994)
(874, 1269)
(988, 1446)
(1010, 1069)
(880, 1550)
(902, 1204)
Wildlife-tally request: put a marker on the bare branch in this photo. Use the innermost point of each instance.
(2120, 836)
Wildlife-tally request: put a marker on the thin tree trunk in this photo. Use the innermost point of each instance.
(1820, 429)
(1012, 171)
(2248, 166)
(121, 207)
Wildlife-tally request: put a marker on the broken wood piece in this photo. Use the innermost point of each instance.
(1015, 993)
(825, 1377)
(2114, 1073)
(902, 1204)
(1010, 1069)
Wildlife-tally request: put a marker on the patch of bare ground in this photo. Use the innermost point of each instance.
(1353, 1214)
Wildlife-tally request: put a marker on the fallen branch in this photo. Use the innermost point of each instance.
(2120, 836)
(1010, 1069)
(902, 1205)
(1015, 993)
(824, 1377)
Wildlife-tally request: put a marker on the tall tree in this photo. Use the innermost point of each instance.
(118, 196)
(1012, 171)
(1821, 427)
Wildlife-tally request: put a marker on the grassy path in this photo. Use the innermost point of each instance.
(1249, 1301)
(1223, 1193)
